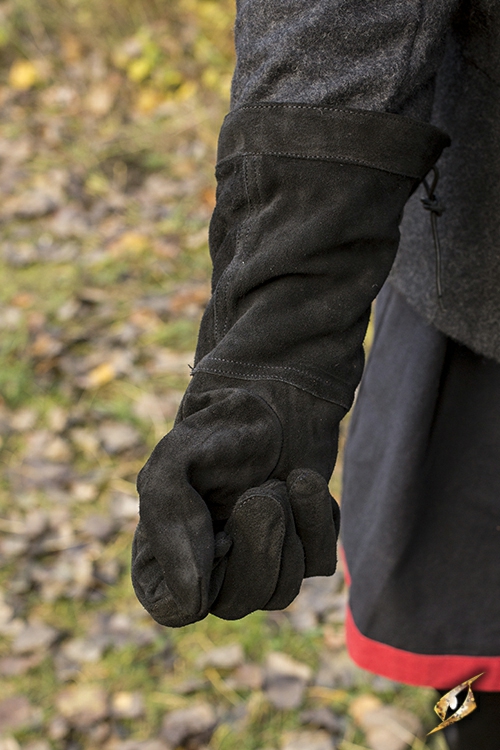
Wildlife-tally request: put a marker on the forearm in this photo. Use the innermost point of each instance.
(303, 236)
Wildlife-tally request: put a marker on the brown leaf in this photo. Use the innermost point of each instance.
(29, 205)
(98, 376)
(190, 299)
(16, 712)
(45, 346)
(130, 243)
(83, 705)
(307, 740)
(100, 99)
(23, 300)
(71, 48)
(12, 666)
(223, 657)
(285, 681)
(35, 636)
(196, 722)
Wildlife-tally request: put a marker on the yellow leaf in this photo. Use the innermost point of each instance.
(23, 75)
(169, 77)
(97, 184)
(139, 69)
(188, 90)
(147, 101)
(100, 375)
(130, 243)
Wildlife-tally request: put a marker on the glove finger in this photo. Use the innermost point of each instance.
(180, 538)
(317, 520)
(292, 565)
(257, 528)
(150, 586)
(266, 564)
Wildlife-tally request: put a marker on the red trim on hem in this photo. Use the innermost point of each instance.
(426, 670)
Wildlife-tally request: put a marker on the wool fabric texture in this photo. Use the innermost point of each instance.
(435, 60)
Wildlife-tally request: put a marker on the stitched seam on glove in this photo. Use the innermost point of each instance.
(344, 403)
(342, 135)
(221, 319)
(338, 159)
(361, 113)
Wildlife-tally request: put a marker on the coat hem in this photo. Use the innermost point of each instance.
(453, 330)
(439, 671)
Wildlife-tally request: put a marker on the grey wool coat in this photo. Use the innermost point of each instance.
(433, 60)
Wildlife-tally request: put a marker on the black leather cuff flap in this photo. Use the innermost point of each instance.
(392, 143)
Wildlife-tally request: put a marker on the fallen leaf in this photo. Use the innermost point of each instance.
(130, 242)
(23, 300)
(189, 300)
(148, 100)
(247, 676)
(12, 666)
(196, 722)
(223, 657)
(83, 650)
(71, 48)
(45, 346)
(85, 440)
(32, 204)
(100, 99)
(33, 637)
(118, 437)
(9, 743)
(98, 376)
(126, 705)
(57, 450)
(337, 670)
(307, 740)
(139, 69)
(23, 75)
(285, 680)
(83, 492)
(333, 639)
(362, 705)
(390, 728)
(323, 718)
(208, 197)
(58, 728)
(82, 705)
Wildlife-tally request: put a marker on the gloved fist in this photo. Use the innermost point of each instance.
(216, 534)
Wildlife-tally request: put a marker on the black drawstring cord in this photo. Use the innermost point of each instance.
(432, 204)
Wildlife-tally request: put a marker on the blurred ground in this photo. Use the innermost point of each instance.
(108, 124)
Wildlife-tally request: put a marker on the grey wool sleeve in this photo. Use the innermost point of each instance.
(378, 55)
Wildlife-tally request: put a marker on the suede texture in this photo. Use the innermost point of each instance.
(234, 503)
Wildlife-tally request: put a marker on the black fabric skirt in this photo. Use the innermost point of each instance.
(421, 507)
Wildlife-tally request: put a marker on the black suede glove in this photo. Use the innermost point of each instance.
(234, 503)
(265, 539)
